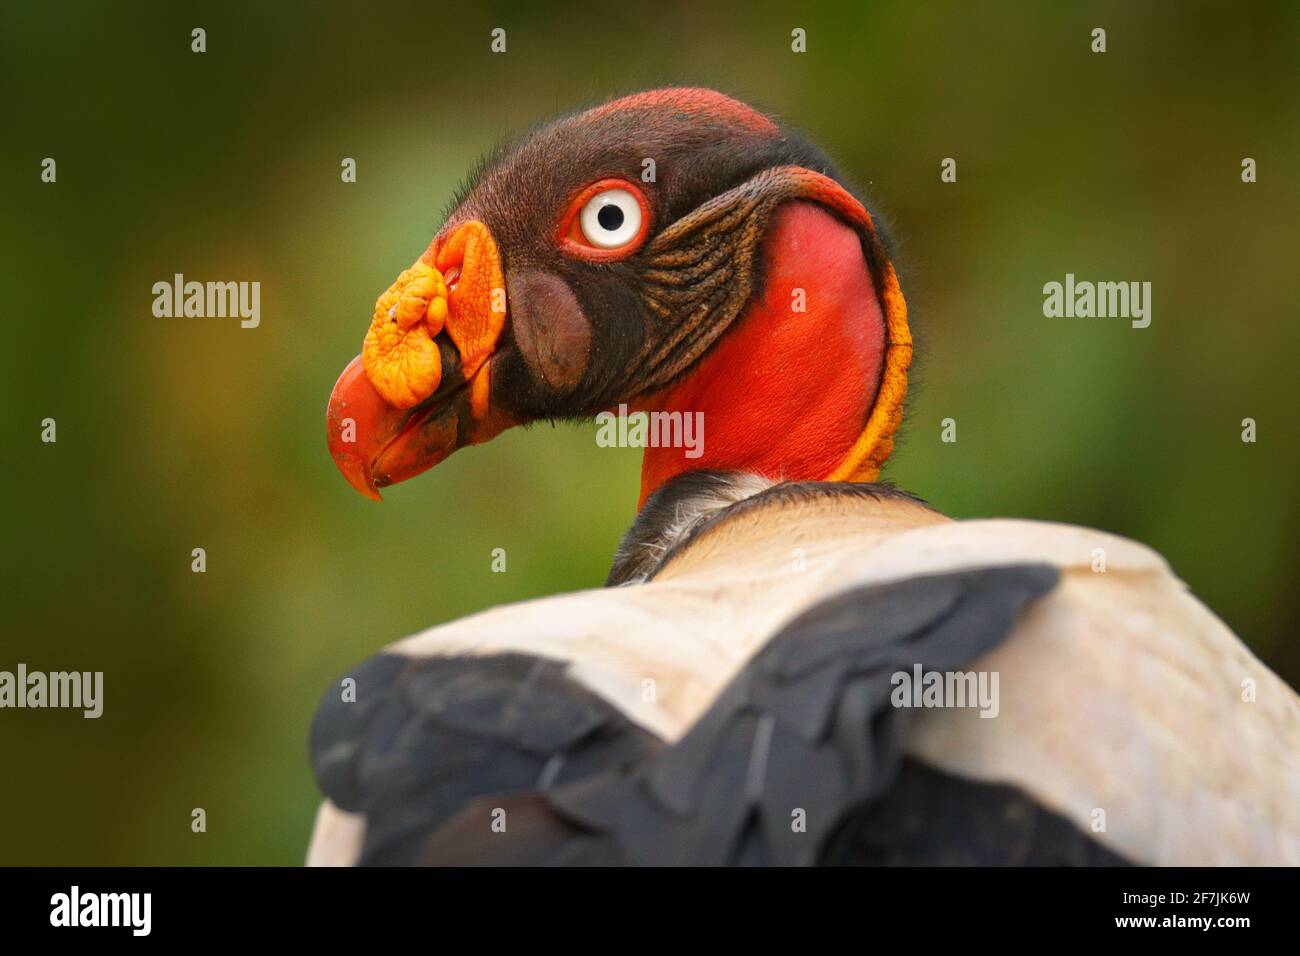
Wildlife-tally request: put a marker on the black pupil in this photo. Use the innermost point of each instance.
(610, 217)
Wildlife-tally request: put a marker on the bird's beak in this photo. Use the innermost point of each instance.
(420, 388)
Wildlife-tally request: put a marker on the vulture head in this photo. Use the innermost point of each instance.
(673, 251)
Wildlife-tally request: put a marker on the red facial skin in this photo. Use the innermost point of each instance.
(773, 402)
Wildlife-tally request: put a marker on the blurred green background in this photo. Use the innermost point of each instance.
(183, 433)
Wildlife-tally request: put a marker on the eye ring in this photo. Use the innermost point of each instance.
(606, 221)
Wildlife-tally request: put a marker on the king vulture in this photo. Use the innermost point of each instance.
(784, 663)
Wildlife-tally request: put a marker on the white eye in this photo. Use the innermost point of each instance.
(611, 219)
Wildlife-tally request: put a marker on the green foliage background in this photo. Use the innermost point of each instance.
(175, 434)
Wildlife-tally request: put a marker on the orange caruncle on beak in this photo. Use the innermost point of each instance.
(399, 354)
(419, 390)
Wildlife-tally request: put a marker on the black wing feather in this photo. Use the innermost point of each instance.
(425, 736)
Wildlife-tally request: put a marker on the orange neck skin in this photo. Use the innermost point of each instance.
(785, 393)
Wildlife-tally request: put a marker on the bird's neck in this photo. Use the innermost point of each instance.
(753, 538)
(786, 392)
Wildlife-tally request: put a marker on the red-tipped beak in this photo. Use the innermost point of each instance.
(376, 442)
